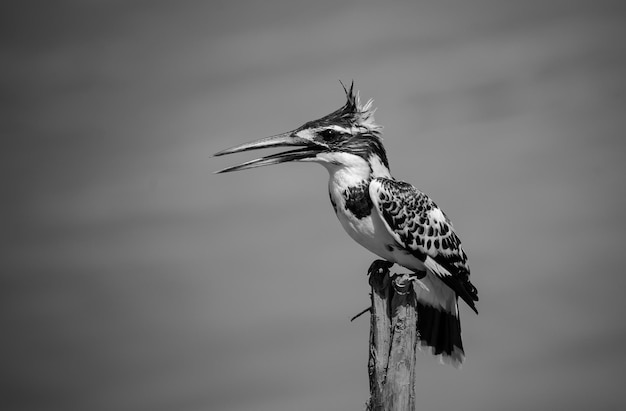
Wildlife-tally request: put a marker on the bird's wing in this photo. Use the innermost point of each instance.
(419, 226)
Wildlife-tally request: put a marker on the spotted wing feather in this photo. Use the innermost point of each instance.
(420, 227)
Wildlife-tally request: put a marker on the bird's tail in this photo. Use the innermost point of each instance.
(441, 330)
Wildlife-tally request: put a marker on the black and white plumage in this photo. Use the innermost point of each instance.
(391, 218)
(419, 225)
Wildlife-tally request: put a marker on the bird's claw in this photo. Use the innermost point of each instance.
(380, 267)
(403, 282)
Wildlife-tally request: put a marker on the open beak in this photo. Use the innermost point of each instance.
(307, 149)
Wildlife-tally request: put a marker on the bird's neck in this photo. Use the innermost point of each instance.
(356, 171)
(378, 167)
(348, 187)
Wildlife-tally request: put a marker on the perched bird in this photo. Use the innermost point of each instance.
(391, 218)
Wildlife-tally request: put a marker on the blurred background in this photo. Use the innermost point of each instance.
(133, 278)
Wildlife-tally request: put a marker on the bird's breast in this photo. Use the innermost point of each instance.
(355, 211)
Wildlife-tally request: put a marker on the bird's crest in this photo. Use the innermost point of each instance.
(353, 114)
(360, 115)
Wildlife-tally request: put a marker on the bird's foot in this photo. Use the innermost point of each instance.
(403, 283)
(378, 273)
(379, 267)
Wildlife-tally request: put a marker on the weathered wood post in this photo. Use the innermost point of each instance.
(393, 341)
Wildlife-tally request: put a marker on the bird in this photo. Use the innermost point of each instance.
(389, 217)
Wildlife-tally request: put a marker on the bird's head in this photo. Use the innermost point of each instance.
(345, 137)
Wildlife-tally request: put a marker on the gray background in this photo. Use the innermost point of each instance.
(132, 278)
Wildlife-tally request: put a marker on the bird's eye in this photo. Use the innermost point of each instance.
(329, 135)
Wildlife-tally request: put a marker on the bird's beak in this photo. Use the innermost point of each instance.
(308, 149)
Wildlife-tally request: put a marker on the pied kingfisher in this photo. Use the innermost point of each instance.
(391, 218)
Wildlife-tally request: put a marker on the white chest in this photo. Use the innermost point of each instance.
(348, 187)
(355, 212)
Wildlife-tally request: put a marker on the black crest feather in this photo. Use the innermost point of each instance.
(352, 98)
(352, 114)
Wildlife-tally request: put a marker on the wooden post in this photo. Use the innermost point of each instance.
(393, 341)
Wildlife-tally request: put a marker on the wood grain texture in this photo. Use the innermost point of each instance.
(393, 342)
